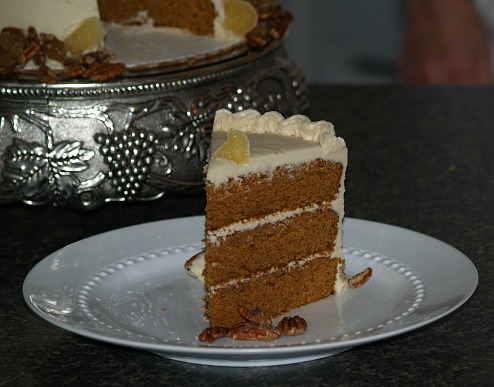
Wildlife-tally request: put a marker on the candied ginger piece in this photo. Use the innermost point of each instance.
(240, 16)
(235, 148)
(88, 35)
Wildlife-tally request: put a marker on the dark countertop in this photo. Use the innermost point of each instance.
(420, 158)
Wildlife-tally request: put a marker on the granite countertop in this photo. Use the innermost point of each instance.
(420, 158)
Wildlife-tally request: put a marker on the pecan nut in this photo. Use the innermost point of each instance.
(54, 49)
(102, 72)
(256, 327)
(46, 75)
(292, 326)
(73, 71)
(33, 49)
(253, 315)
(213, 333)
(254, 332)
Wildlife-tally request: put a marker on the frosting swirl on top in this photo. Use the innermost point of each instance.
(274, 141)
(251, 121)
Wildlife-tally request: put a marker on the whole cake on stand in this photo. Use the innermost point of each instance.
(134, 111)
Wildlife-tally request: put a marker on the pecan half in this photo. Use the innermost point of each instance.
(73, 71)
(253, 315)
(102, 72)
(47, 75)
(257, 327)
(53, 48)
(33, 49)
(292, 326)
(12, 30)
(11, 46)
(254, 332)
(213, 333)
(258, 36)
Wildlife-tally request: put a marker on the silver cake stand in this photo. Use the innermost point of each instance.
(80, 145)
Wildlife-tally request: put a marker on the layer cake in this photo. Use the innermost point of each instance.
(273, 215)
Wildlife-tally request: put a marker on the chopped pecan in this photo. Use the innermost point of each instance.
(102, 72)
(12, 30)
(7, 69)
(213, 333)
(11, 45)
(358, 279)
(94, 57)
(253, 315)
(47, 75)
(53, 48)
(264, 8)
(33, 49)
(280, 25)
(292, 326)
(254, 332)
(73, 71)
(258, 36)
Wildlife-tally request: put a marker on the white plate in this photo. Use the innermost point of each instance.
(139, 47)
(129, 287)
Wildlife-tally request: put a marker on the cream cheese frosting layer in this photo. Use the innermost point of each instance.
(274, 141)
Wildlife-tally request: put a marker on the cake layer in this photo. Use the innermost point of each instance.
(230, 202)
(275, 293)
(196, 16)
(271, 245)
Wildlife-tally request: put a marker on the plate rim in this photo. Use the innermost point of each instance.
(266, 354)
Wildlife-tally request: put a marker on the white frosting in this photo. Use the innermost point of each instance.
(57, 17)
(195, 266)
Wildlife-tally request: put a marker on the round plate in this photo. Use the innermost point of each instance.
(129, 287)
(142, 48)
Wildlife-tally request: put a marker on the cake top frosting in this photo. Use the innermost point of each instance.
(274, 141)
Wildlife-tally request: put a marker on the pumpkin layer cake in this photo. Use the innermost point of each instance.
(274, 214)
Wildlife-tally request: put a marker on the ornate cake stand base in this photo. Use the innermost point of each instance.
(82, 145)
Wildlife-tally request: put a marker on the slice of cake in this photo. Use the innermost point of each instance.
(274, 214)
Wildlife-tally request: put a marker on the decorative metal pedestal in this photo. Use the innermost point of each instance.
(81, 145)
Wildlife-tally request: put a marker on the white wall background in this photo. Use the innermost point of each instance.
(345, 41)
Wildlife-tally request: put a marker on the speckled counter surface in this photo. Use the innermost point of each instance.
(420, 158)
